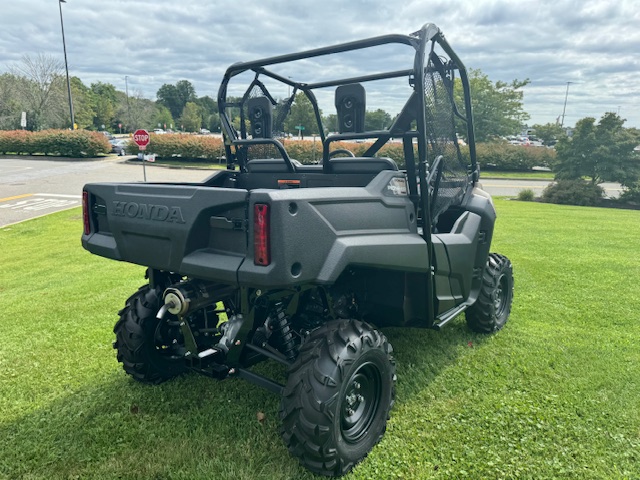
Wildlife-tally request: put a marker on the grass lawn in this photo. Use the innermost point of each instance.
(555, 394)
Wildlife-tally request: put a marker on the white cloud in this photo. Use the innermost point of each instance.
(592, 43)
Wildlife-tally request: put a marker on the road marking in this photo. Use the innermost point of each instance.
(57, 195)
(16, 197)
(41, 201)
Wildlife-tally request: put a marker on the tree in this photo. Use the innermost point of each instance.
(175, 97)
(10, 110)
(549, 133)
(603, 152)
(376, 120)
(105, 101)
(302, 114)
(41, 91)
(498, 108)
(168, 96)
(186, 92)
(191, 119)
(83, 104)
(163, 116)
(330, 122)
(209, 111)
(139, 111)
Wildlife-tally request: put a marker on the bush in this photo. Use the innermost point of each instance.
(186, 147)
(65, 143)
(507, 157)
(526, 195)
(573, 192)
(500, 156)
(631, 194)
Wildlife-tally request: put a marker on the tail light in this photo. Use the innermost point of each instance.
(261, 244)
(85, 212)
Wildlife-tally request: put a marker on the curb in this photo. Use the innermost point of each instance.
(51, 158)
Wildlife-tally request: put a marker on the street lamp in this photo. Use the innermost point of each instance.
(565, 103)
(66, 66)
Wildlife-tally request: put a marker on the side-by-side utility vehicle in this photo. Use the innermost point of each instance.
(303, 263)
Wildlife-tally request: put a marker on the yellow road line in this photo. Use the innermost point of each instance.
(16, 197)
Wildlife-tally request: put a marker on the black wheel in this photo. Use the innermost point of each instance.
(339, 392)
(145, 345)
(493, 306)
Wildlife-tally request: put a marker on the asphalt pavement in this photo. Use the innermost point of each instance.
(32, 188)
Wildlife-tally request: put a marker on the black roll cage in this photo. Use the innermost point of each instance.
(414, 109)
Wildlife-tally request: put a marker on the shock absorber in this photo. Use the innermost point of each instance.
(284, 329)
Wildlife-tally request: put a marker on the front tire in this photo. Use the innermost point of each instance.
(338, 396)
(145, 345)
(491, 310)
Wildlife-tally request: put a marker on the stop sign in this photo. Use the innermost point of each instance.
(141, 138)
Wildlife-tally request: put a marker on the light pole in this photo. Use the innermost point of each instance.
(66, 66)
(565, 103)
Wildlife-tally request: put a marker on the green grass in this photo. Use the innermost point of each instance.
(555, 394)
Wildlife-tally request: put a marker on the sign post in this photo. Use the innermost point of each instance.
(141, 138)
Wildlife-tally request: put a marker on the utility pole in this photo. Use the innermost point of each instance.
(66, 66)
(565, 103)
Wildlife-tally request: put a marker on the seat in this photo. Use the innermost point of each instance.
(373, 165)
(270, 165)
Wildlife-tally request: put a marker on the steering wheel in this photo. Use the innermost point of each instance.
(341, 150)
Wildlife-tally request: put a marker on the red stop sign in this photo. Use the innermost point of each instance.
(141, 137)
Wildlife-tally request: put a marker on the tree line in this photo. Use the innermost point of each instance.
(37, 86)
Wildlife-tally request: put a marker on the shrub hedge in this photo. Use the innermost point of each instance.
(185, 147)
(64, 143)
(573, 192)
(82, 143)
(497, 156)
(507, 157)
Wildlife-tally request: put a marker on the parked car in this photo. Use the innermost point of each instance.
(204, 131)
(159, 131)
(119, 146)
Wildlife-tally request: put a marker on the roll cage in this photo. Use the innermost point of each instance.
(426, 124)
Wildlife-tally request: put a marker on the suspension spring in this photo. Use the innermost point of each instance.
(286, 334)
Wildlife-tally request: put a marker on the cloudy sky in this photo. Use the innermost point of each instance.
(593, 43)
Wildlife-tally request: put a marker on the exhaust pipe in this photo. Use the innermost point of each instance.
(185, 297)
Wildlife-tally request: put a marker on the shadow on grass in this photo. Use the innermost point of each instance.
(192, 426)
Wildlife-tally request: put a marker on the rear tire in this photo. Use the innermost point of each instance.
(338, 396)
(493, 306)
(145, 346)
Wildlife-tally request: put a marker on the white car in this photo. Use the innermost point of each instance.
(159, 131)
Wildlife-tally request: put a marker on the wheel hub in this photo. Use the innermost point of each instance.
(500, 293)
(360, 402)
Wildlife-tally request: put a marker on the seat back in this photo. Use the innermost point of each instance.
(373, 165)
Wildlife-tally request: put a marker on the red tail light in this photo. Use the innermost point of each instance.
(85, 212)
(261, 247)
